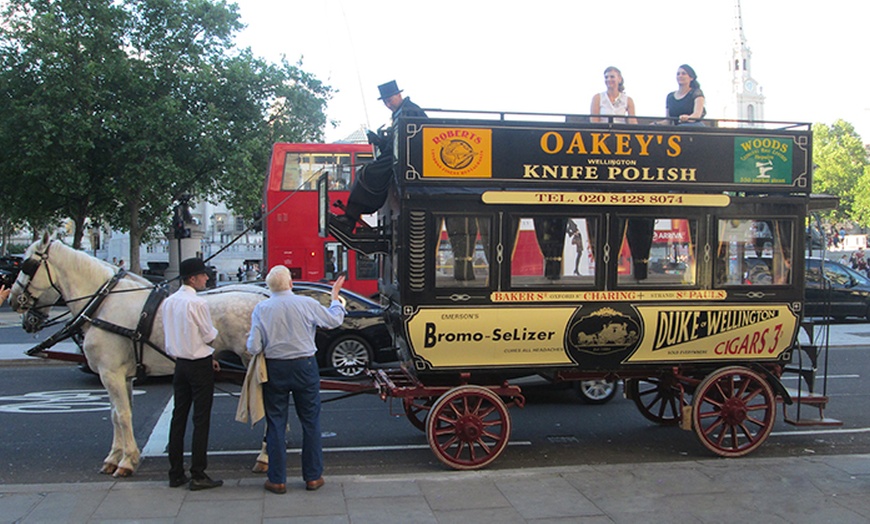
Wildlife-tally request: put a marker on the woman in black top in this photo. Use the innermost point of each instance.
(686, 104)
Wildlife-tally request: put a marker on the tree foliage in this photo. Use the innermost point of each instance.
(841, 168)
(113, 109)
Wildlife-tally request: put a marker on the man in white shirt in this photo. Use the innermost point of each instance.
(188, 330)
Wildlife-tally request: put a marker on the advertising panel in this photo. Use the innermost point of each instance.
(601, 336)
(640, 157)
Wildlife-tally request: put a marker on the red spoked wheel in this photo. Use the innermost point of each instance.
(659, 399)
(416, 409)
(468, 427)
(734, 411)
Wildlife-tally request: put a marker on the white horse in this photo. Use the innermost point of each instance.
(53, 270)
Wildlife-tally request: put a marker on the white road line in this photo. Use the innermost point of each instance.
(818, 432)
(819, 377)
(159, 438)
(403, 447)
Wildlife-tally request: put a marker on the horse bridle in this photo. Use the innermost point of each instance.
(33, 314)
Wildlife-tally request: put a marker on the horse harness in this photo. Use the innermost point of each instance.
(140, 336)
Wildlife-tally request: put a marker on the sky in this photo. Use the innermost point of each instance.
(549, 56)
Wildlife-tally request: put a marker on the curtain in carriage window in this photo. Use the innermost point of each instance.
(657, 251)
(462, 256)
(552, 251)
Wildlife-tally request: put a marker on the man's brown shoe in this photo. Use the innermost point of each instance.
(275, 488)
(314, 485)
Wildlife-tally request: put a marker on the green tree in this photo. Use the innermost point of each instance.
(57, 98)
(841, 169)
(115, 109)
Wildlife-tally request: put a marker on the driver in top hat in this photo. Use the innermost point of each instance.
(399, 105)
(371, 184)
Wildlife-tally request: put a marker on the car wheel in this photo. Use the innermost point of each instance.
(349, 356)
(596, 391)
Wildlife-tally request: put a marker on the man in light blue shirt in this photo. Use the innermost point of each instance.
(283, 328)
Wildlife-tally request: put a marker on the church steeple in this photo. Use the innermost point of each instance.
(747, 100)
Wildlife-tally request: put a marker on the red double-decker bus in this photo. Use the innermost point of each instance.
(290, 226)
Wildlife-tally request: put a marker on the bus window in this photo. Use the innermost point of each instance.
(332, 264)
(657, 251)
(366, 267)
(302, 169)
(462, 251)
(754, 252)
(550, 249)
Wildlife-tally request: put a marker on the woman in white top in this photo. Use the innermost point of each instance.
(614, 101)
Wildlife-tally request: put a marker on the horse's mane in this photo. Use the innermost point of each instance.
(89, 266)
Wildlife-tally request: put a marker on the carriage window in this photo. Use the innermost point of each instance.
(549, 250)
(657, 251)
(462, 251)
(754, 252)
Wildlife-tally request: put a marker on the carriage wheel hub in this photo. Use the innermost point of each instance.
(469, 428)
(733, 411)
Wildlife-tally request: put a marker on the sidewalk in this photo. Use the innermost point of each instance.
(789, 490)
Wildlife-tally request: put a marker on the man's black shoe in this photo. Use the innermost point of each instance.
(175, 482)
(343, 223)
(205, 483)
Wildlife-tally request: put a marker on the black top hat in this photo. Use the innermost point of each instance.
(389, 89)
(191, 267)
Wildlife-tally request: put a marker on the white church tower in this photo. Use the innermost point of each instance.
(746, 101)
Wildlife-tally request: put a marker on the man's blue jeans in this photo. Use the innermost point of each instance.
(302, 378)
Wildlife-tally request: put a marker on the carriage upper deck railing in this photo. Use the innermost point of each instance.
(579, 118)
(539, 149)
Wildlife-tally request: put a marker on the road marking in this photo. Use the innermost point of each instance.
(356, 449)
(158, 440)
(820, 377)
(60, 401)
(159, 437)
(818, 432)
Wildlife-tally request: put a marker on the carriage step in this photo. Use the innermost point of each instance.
(805, 421)
(807, 398)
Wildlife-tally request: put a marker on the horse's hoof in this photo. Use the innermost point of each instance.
(108, 469)
(123, 472)
(260, 467)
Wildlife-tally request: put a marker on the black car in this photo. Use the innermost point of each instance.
(363, 337)
(842, 292)
(9, 268)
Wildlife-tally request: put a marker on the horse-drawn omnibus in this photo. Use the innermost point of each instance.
(671, 257)
(290, 211)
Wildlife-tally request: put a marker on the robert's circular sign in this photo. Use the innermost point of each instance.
(456, 154)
